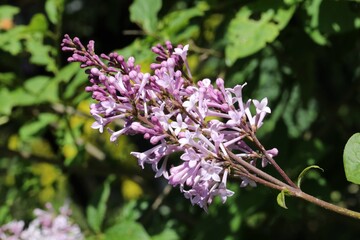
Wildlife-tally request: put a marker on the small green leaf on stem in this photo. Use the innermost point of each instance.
(302, 174)
(281, 199)
(352, 159)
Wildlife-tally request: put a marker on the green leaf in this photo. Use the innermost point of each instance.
(281, 199)
(176, 25)
(8, 11)
(22, 97)
(297, 116)
(352, 159)
(144, 13)
(190, 32)
(7, 102)
(38, 89)
(167, 234)
(68, 72)
(4, 212)
(73, 77)
(303, 172)
(95, 212)
(50, 93)
(40, 53)
(127, 231)
(72, 88)
(10, 40)
(6, 78)
(291, 2)
(130, 211)
(38, 23)
(28, 130)
(325, 18)
(53, 10)
(254, 26)
(36, 85)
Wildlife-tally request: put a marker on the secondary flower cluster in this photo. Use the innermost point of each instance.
(203, 121)
(46, 226)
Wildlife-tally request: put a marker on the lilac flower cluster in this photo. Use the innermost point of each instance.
(46, 226)
(202, 121)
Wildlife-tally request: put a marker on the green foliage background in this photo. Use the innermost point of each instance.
(304, 55)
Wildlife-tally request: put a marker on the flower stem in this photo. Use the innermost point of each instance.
(329, 206)
(269, 181)
(272, 161)
(256, 170)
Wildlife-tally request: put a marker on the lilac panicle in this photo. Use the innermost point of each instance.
(47, 225)
(174, 114)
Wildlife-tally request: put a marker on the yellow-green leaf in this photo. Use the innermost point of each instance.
(281, 199)
(352, 159)
(303, 172)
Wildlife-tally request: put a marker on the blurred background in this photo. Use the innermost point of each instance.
(304, 55)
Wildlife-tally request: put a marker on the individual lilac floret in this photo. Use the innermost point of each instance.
(46, 226)
(203, 120)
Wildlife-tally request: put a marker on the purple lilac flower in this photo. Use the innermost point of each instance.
(46, 226)
(173, 113)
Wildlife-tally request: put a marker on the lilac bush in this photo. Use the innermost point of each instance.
(48, 225)
(201, 120)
